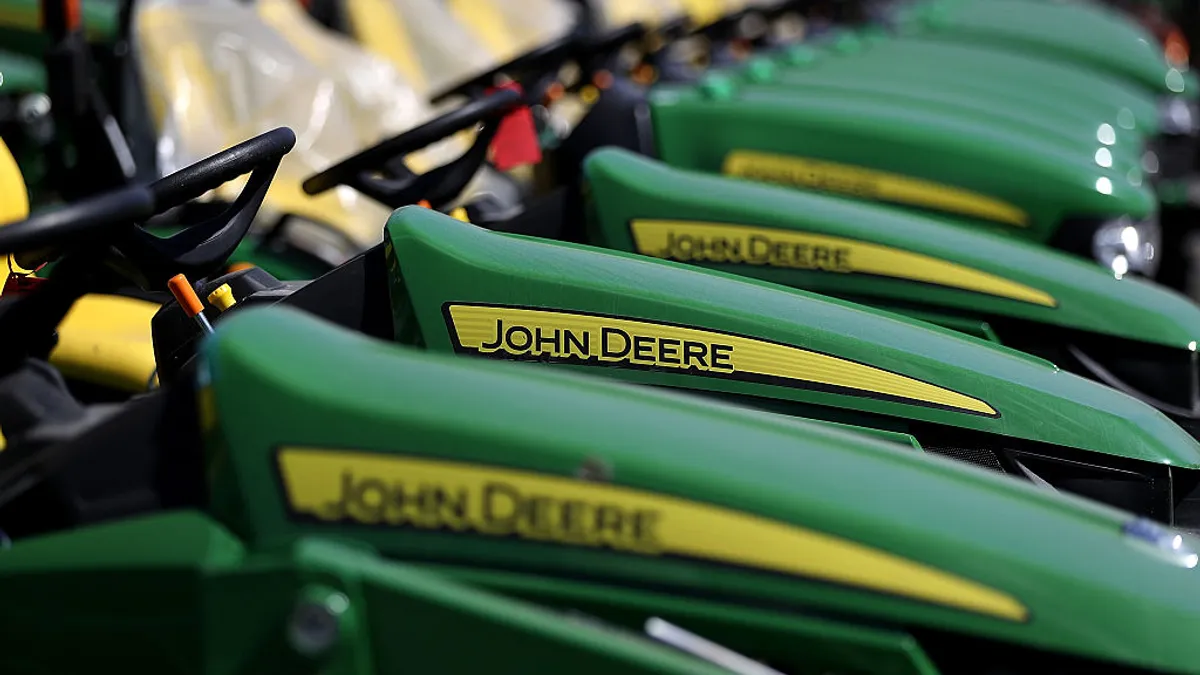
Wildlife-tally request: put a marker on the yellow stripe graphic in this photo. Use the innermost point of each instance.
(869, 184)
(390, 490)
(560, 335)
(696, 242)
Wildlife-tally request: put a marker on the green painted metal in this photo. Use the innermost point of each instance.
(22, 74)
(178, 593)
(276, 377)
(1086, 33)
(1012, 75)
(1071, 132)
(697, 130)
(20, 25)
(906, 440)
(438, 260)
(1030, 107)
(625, 186)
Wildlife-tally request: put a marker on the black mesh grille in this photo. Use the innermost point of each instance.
(977, 456)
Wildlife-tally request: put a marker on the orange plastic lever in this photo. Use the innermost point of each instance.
(74, 14)
(185, 295)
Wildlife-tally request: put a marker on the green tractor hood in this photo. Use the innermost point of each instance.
(643, 206)
(1085, 33)
(924, 157)
(989, 73)
(459, 288)
(1055, 123)
(1016, 293)
(831, 550)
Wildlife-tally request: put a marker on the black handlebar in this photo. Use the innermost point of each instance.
(203, 248)
(379, 171)
(542, 61)
(28, 323)
(198, 250)
(212, 172)
(536, 61)
(78, 223)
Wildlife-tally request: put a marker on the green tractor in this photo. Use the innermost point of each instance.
(444, 285)
(1051, 150)
(1085, 33)
(1141, 342)
(300, 497)
(1057, 148)
(1126, 333)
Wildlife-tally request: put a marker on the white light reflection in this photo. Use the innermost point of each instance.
(1150, 161)
(1106, 134)
(1104, 157)
(1189, 559)
(1175, 80)
(1104, 185)
(1129, 237)
(1120, 266)
(1125, 118)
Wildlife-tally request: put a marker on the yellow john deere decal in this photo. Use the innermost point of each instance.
(400, 491)
(523, 333)
(870, 184)
(694, 242)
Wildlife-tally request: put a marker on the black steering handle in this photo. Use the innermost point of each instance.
(79, 223)
(204, 247)
(190, 182)
(110, 219)
(379, 171)
(536, 61)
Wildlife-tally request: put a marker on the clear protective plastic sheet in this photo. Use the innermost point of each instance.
(620, 13)
(617, 13)
(435, 48)
(219, 71)
(536, 22)
(454, 40)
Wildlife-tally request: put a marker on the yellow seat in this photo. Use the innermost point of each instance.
(442, 42)
(650, 13)
(219, 72)
(104, 340)
(14, 206)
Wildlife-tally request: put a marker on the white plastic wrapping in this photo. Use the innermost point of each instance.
(448, 41)
(619, 13)
(423, 38)
(220, 71)
(535, 22)
(704, 12)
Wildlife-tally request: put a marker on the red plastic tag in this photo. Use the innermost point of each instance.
(516, 142)
(21, 283)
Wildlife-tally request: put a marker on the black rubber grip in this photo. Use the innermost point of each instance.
(212, 172)
(85, 219)
(414, 139)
